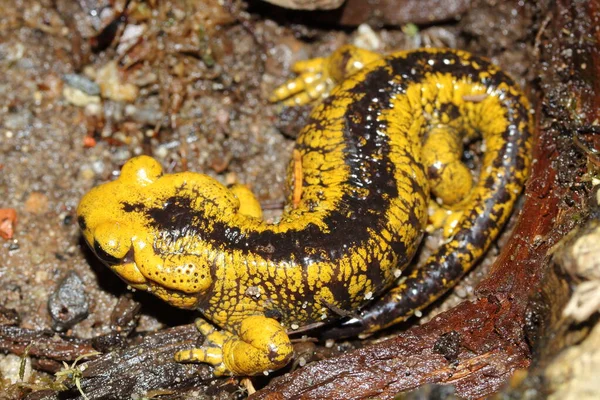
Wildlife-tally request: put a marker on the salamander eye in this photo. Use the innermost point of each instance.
(111, 242)
(81, 222)
(104, 255)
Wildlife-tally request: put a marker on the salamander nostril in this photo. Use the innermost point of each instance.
(81, 222)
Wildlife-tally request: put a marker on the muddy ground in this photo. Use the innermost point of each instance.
(186, 82)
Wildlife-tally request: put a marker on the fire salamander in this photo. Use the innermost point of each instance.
(379, 155)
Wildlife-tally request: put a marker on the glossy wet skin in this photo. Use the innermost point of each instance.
(371, 155)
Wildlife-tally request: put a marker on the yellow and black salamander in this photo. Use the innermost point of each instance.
(378, 156)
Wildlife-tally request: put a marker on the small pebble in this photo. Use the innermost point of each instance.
(36, 203)
(82, 83)
(112, 86)
(79, 98)
(367, 38)
(69, 304)
(86, 174)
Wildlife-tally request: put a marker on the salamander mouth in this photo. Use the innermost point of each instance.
(129, 272)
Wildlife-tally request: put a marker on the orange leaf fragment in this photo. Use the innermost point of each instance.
(89, 142)
(8, 219)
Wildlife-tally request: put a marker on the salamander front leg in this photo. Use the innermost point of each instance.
(258, 344)
(249, 204)
(317, 76)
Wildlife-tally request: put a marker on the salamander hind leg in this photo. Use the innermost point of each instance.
(257, 345)
(318, 76)
(450, 179)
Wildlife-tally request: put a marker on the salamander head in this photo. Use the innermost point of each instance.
(140, 226)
